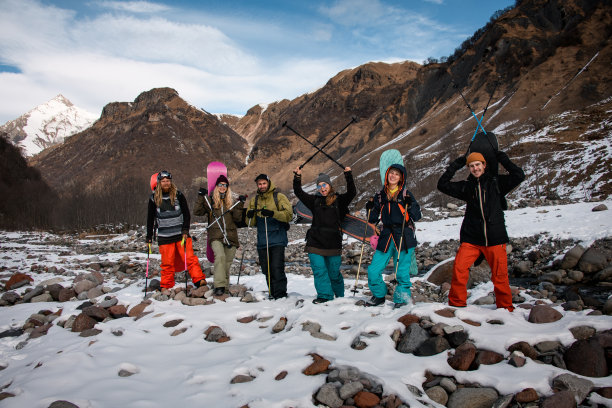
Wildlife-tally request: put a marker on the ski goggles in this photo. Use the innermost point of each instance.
(222, 185)
(321, 185)
(164, 174)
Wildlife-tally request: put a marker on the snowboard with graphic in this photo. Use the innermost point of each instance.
(213, 171)
(351, 225)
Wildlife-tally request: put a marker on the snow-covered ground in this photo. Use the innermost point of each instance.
(185, 370)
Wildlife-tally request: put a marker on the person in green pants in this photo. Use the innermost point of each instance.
(324, 238)
(397, 208)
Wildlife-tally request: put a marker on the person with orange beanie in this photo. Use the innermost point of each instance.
(483, 230)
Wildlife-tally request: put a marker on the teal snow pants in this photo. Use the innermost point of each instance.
(407, 264)
(327, 277)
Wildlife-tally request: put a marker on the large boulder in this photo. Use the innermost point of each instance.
(587, 357)
(592, 261)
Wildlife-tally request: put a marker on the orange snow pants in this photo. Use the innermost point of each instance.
(498, 261)
(173, 260)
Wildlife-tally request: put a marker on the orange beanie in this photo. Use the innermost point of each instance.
(475, 156)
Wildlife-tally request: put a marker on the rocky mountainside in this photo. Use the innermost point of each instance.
(159, 130)
(47, 125)
(547, 65)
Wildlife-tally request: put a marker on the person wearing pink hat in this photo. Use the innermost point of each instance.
(483, 230)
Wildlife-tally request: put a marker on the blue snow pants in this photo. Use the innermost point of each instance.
(379, 262)
(327, 277)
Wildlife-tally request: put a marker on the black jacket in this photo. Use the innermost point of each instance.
(325, 237)
(483, 223)
(154, 214)
(392, 217)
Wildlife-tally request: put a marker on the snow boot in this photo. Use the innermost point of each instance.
(375, 301)
(219, 291)
(320, 300)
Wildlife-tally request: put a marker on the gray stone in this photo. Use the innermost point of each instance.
(607, 309)
(311, 327)
(328, 395)
(592, 261)
(503, 401)
(579, 386)
(473, 398)
(575, 275)
(62, 404)
(561, 399)
(485, 300)
(437, 394)
(448, 385)
(523, 267)
(38, 290)
(432, 346)
(414, 336)
(600, 207)
(280, 325)
(83, 286)
(604, 275)
(571, 257)
(582, 332)
(547, 346)
(553, 277)
(108, 303)
(94, 292)
(10, 297)
(348, 374)
(45, 297)
(543, 314)
(349, 389)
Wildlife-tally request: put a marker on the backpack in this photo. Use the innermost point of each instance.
(286, 225)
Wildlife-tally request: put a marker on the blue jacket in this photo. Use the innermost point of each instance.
(391, 215)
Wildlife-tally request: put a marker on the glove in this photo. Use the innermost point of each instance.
(267, 213)
(459, 162)
(501, 156)
(369, 205)
(202, 192)
(250, 213)
(242, 198)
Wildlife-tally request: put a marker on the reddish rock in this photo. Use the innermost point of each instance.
(561, 399)
(98, 277)
(66, 294)
(96, 312)
(241, 379)
(40, 331)
(446, 312)
(516, 360)
(543, 314)
(17, 280)
(471, 322)
(605, 392)
(524, 348)
(586, 357)
(364, 399)
(319, 365)
(527, 395)
(83, 322)
(463, 358)
(247, 319)
(441, 274)
(488, 357)
(173, 323)
(118, 311)
(179, 331)
(408, 319)
(138, 309)
(281, 375)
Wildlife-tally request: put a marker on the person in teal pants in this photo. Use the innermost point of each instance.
(324, 238)
(397, 208)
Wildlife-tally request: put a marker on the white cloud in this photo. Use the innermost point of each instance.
(439, 2)
(133, 6)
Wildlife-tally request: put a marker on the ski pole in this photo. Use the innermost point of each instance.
(399, 251)
(485, 110)
(217, 220)
(469, 107)
(243, 250)
(312, 144)
(268, 257)
(185, 253)
(353, 119)
(361, 256)
(147, 272)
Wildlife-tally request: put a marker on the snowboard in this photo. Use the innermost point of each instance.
(213, 171)
(153, 181)
(487, 145)
(351, 225)
(387, 158)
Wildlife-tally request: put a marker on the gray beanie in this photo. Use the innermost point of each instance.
(323, 178)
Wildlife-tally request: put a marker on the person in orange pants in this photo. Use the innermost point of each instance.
(168, 210)
(483, 230)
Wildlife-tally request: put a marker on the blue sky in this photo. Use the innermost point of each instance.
(222, 56)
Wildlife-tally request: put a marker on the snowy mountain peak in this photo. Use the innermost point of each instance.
(47, 125)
